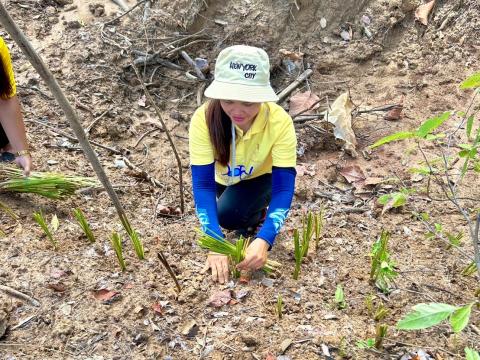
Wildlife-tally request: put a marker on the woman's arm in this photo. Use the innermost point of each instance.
(12, 122)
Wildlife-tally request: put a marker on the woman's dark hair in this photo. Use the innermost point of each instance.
(219, 128)
(5, 84)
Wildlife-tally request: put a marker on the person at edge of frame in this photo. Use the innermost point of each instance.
(13, 137)
(243, 156)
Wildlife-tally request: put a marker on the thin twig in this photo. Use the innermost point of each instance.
(19, 295)
(97, 119)
(170, 139)
(146, 134)
(192, 63)
(165, 263)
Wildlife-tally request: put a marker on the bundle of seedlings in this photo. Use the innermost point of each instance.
(235, 252)
(50, 185)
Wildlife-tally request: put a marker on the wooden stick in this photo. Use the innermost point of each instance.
(72, 117)
(165, 263)
(192, 63)
(288, 90)
(19, 295)
(170, 139)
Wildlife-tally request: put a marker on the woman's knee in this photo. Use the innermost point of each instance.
(230, 218)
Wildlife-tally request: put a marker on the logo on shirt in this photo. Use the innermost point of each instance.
(250, 70)
(239, 171)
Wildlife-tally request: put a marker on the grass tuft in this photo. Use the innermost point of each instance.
(82, 221)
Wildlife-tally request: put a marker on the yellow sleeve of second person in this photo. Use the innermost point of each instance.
(7, 63)
(200, 146)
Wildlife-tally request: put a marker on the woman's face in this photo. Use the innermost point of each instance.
(241, 113)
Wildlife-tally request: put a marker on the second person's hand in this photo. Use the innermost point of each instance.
(219, 265)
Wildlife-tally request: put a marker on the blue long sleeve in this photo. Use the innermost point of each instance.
(283, 184)
(204, 195)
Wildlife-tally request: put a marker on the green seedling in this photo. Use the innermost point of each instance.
(319, 222)
(40, 219)
(133, 235)
(366, 344)
(382, 271)
(301, 246)
(279, 306)
(471, 354)
(50, 185)
(470, 269)
(235, 252)
(340, 298)
(82, 221)
(117, 246)
(380, 313)
(427, 315)
(369, 303)
(8, 211)
(380, 334)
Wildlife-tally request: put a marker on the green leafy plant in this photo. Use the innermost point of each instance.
(117, 246)
(340, 298)
(366, 344)
(319, 222)
(40, 220)
(50, 185)
(279, 306)
(235, 252)
(471, 354)
(380, 313)
(82, 221)
(133, 235)
(426, 315)
(382, 271)
(302, 243)
(393, 200)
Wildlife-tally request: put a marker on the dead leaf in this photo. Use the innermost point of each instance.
(340, 115)
(423, 11)
(291, 55)
(104, 294)
(220, 298)
(158, 309)
(304, 103)
(142, 101)
(57, 273)
(58, 287)
(285, 345)
(302, 170)
(354, 175)
(373, 181)
(270, 357)
(395, 113)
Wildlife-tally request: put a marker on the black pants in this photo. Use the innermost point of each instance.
(241, 206)
(3, 138)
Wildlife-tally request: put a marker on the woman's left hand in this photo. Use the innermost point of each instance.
(25, 162)
(256, 255)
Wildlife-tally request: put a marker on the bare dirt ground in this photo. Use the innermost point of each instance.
(388, 58)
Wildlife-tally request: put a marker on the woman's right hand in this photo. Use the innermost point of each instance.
(219, 265)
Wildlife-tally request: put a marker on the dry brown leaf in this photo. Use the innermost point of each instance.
(353, 174)
(270, 357)
(291, 55)
(58, 287)
(395, 113)
(158, 309)
(220, 298)
(303, 101)
(422, 12)
(104, 294)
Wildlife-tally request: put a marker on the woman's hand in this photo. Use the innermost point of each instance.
(256, 255)
(219, 265)
(25, 162)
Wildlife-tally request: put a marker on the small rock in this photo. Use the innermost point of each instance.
(190, 329)
(140, 338)
(4, 316)
(285, 345)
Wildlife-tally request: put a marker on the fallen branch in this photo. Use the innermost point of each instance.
(19, 295)
(127, 11)
(142, 173)
(170, 139)
(192, 63)
(73, 138)
(295, 84)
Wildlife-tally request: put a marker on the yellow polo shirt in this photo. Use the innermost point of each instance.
(270, 141)
(7, 63)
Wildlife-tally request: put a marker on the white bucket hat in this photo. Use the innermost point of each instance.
(242, 73)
